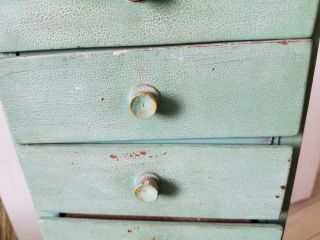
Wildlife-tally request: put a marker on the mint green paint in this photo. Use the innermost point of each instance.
(293, 141)
(84, 229)
(61, 24)
(207, 181)
(246, 89)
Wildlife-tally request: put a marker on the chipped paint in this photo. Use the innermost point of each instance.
(113, 157)
(283, 187)
(285, 42)
(140, 154)
(120, 52)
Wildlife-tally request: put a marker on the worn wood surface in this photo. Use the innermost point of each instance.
(6, 230)
(81, 229)
(58, 24)
(245, 89)
(233, 182)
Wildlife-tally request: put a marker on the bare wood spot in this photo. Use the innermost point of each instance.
(113, 157)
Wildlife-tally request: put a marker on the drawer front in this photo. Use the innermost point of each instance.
(61, 24)
(81, 229)
(248, 89)
(195, 180)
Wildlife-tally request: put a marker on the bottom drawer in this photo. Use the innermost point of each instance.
(87, 229)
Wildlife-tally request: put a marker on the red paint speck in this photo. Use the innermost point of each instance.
(137, 155)
(285, 42)
(283, 187)
(150, 156)
(143, 153)
(113, 156)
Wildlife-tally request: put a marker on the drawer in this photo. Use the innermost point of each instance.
(199, 181)
(61, 24)
(81, 229)
(246, 89)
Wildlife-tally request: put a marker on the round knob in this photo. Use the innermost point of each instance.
(144, 101)
(147, 187)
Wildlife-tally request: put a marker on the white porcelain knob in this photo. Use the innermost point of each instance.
(144, 100)
(147, 187)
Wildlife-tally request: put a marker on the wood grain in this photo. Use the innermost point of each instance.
(6, 230)
(62, 24)
(246, 89)
(81, 229)
(230, 182)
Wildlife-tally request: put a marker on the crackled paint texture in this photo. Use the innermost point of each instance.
(247, 89)
(61, 24)
(195, 180)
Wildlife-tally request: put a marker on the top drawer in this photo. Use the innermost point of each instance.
(57, 24)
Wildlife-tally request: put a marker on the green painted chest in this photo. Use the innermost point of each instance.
(157, 119)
